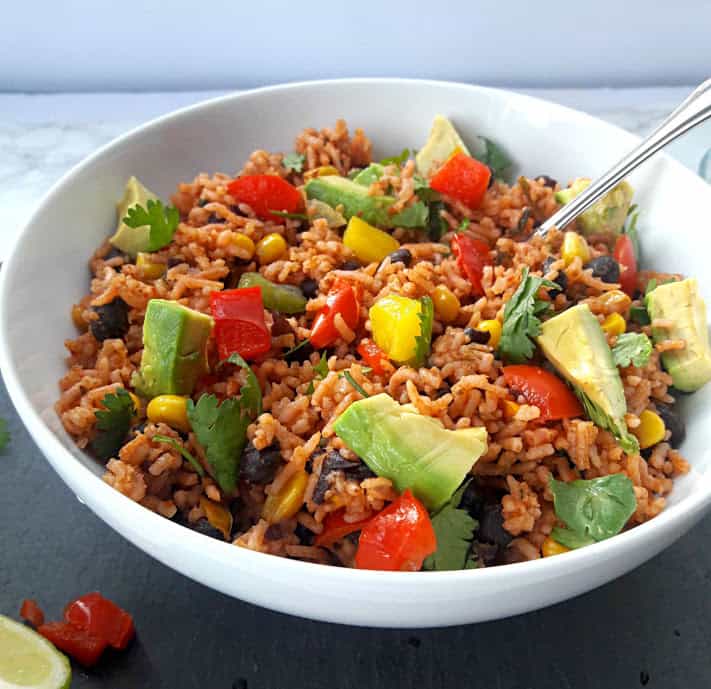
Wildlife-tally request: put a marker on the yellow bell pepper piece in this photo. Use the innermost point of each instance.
(574, 245)
(651, 429)
(552, 547)
(396, 325)
(218, 516)
(287, 502)
(368, 243)
(614, 324)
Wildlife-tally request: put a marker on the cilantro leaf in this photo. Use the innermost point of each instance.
(424, 191)
(294, 161)
(454, 529)
(112, 424)
(593, 510)
(424, 339)
(397, 160)
(321, 367)
(436, 224)
(347, 375)
(639, 315)
(521, 322)
(464, 224)
(162, 221)
(632, 348)
(177, 446)
(570, 539)
(495, 158)
(618, 428)
(4, 434)
(222, 428)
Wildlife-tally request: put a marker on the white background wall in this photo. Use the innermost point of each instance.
(53, 45)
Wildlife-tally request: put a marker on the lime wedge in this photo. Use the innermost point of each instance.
(29, 661)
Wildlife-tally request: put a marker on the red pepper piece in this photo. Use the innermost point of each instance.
(344, 298)
(335, 528)
(374, 357)
(462, 178)
(31, 612)
(398, 538)
(624, 255)
(544, 390)
(265, 193)
(84, 647)
(239, 322)
(102, 618)
(472, 256)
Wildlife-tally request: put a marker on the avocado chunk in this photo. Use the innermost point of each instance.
(412, 450)
(605, 217)
(575, 344)
(370, 174)
(132, 240)
(318, 209)
(442, 142)
(350, 199)
(174, 349)
(681, 304)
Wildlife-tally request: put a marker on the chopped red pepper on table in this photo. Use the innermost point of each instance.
(462, 178)
(101, 617)
(398, 538)
(343, 299)
(266, 193)
(544, 390)
(239, 322)
(473, 255)
(31, 612)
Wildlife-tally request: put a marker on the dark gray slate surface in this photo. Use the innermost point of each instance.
(652, 627)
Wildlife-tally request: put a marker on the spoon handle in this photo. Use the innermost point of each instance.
(695, 109)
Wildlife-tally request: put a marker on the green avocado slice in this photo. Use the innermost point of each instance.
(353, 198)
(132, 240)
(575, 344)
(681, 303)
(174, 349)
(412, 450)
(442, 142)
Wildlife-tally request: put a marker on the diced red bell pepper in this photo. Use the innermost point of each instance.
(625, 256)
(84, 647)
(335, 528)
(265, 193)
(472, 256)
(239, 322)
(462, 178)
(374, 357)
(31, 612)
(544, 390)
(102, 618)
(398, 538)
(344, 298)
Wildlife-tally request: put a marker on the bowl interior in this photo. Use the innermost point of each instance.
(47, 272)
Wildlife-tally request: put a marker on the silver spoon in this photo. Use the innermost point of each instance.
(695, 109)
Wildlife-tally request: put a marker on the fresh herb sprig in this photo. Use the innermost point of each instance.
(112, 423)
(162, 221)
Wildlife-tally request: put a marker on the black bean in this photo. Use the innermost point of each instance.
(280, 326)
(273, 532)
(112, 321)
(334, 461)
(477, 336)
(674, 423)
(401, 256)
(561, 280)
(509, 556)
(259, 466)
(175, 261)
(547, 181)
(301, 354)
(305, 536)
(214, 219)
(486, 553)
(473, 500)
(605, 267)
(491, 526)
(206, 529)
(350, 265)
(309, 287)
(113, 253)
(203, 202)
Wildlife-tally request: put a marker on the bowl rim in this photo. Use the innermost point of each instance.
(93, 491)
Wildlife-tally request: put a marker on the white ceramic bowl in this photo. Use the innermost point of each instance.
(47, 272)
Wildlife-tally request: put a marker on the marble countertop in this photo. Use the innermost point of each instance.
(44, 135)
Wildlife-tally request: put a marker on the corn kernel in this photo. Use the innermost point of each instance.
(323, 171)
(493, 327)
(368, 243)
(149, 269)
(218, 516)
(551, 547)
(651, 429)
(614, 324)
(445, 303)
(171, 410)
(271, 248)
(574, 245)
(243, 242)
(287, 502)
(510, 408)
